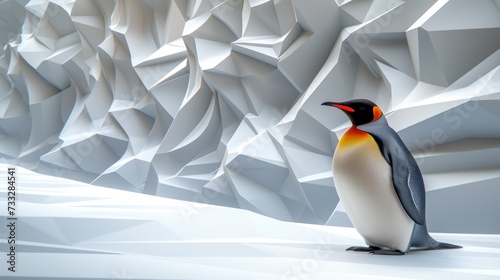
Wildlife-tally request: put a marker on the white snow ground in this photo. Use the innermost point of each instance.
(71, 230)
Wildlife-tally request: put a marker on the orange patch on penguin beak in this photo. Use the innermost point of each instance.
(344, 108)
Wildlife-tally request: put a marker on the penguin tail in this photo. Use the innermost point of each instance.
(443, 245)
(421, 240)
(437, 246)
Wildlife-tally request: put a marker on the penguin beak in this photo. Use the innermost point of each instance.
(338, 105)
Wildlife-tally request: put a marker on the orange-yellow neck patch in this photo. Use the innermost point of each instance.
(353, 136)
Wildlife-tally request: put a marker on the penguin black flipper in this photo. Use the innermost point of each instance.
(406, 175)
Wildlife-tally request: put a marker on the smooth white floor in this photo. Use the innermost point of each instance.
(71, 230)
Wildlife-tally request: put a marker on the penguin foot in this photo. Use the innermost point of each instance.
(387, 252)
(362, 249)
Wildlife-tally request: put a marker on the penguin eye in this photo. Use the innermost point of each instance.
(361, 108)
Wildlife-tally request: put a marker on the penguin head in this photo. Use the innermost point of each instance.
(359, 111)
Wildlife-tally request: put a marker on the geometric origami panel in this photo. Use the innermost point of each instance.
(218, 102)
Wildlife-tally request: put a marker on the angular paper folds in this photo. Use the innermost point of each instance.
(219, 101)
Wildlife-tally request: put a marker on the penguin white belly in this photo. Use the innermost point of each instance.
(363, 180)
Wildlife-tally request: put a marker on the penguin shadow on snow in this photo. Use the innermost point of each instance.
(380, 184)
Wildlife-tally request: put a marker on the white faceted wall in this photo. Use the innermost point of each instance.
(219, 101)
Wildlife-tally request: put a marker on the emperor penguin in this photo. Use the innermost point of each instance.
(380, 184)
